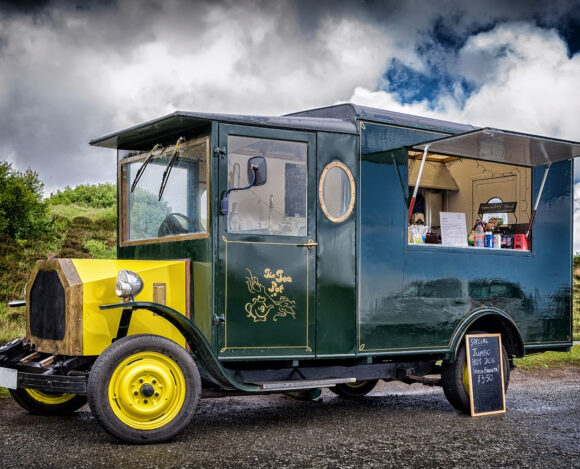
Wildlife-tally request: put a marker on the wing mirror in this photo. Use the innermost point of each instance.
(257, 167)
(257, 175)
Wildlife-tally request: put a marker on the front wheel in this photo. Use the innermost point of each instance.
(354, 390)
(455, 379)
(144, 389)
(47, 403)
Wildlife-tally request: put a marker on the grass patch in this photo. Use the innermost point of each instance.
(86, 238)
(550, 360)
(12, 326)
(12, 323)
(70, 211)
(576, 314)
(100, 250)
(576, 299)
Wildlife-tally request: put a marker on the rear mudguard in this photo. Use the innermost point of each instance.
(500, 322)
(200, 347)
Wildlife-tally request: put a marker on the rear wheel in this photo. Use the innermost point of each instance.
(356, 389)
(455, 379)
(47, 403)
(144, 389)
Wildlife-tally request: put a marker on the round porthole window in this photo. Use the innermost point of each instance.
(336, 191)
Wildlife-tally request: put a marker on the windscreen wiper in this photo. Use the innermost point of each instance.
(144, 165)
(167, 171)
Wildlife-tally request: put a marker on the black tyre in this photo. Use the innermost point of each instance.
(47, 403)
(353, 390)
(144, 389)
(455, 380)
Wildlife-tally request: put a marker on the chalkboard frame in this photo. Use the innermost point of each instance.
(469, 373)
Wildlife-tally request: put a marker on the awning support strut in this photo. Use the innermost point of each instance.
(412, 202)
(533, 215)
(400, 180)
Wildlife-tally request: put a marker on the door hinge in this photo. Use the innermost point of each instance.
(219, 151)
(219, 319)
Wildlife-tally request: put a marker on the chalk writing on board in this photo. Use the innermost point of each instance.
(485, 374)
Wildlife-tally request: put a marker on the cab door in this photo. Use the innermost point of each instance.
(266, 244)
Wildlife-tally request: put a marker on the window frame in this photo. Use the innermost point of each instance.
(350, 208)
(271, 137)
(123, 197)
(471, 249)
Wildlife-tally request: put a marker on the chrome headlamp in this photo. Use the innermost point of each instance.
(128, 285)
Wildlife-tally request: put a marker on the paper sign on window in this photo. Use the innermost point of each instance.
(453, 229)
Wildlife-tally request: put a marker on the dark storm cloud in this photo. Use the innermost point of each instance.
(23, 6)
(71, 71)
(53, 100)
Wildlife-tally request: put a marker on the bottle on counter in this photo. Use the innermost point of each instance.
(488, 240)
(479, 236)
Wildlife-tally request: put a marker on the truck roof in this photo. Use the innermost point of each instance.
(340, 118)
(352, 112)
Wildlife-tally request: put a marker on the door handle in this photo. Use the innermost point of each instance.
(310, 244)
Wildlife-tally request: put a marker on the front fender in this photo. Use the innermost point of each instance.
(200, 347)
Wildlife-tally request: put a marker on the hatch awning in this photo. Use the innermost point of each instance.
(502, 146)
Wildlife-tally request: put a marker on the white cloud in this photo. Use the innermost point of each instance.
(257, 63)
(525, 81)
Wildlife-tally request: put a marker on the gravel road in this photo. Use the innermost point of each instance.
(395, 426)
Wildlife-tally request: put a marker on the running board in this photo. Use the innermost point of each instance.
(302, 384)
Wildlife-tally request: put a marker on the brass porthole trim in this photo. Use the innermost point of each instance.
(350, 208)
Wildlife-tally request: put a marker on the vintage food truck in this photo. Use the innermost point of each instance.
(325, 248)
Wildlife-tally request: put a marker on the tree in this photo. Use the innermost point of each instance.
(87, 195)
(23, 213)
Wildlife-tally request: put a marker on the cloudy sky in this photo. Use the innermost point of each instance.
(71, 71)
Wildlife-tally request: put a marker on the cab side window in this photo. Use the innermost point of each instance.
(277, 207)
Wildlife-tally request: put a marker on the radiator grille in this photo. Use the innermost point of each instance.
(47, 306)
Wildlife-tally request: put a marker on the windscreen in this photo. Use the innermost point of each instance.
(164, 192)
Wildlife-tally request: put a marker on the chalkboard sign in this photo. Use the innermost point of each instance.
(509, 207)
(485, 370)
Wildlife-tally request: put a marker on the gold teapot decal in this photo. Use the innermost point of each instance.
(269, 299)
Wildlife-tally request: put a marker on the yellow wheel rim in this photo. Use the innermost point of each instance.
(357, 384)
(465, 378)
(49, 398)
(147, 390)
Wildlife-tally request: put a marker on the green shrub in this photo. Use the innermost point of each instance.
(107, 223)
(99, 250)
(14, 269)
(86, 238)
(23, 213)
(87, 195)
